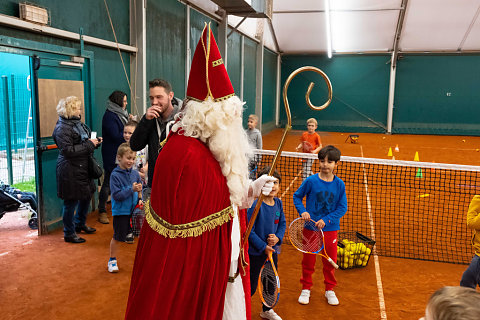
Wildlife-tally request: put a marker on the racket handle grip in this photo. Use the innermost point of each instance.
(333, 263)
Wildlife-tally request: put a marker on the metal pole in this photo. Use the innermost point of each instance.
(391, 96)
(7, 131)
(14, 117)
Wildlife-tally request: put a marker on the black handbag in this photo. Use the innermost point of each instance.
(94, 169)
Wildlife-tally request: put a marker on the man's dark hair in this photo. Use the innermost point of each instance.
(117, 97)
(266, 170)
(331, 152)
(160, 83)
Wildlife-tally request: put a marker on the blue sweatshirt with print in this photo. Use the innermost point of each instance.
(326, 200)
(270, 219)
(124, 199)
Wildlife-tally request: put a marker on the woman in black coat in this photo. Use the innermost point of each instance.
(74, 184)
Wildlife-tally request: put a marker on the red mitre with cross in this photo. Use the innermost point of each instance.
(208, 76)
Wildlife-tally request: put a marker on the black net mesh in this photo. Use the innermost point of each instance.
(411, 209)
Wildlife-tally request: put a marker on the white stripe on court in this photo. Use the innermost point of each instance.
(4, 253)
(381, 299)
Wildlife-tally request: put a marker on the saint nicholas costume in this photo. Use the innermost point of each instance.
(187, 255)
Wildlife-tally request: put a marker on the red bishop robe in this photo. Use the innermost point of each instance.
(184, 277)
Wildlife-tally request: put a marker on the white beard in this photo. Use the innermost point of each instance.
(219, 125)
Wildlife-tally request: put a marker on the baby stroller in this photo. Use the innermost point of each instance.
(12, 199)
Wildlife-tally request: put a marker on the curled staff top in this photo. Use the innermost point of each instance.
(288, 127)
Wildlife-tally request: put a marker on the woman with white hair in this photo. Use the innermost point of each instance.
(74, 184)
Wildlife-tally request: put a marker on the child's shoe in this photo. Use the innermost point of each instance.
(331, 298)
(112, 266)
(304, 297)
(270, 314)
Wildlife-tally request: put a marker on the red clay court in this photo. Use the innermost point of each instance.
(72, 281)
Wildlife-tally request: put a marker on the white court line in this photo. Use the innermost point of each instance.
(381, 299)
(4, 253)
(27, 242)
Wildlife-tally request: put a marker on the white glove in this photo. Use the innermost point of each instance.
(263, 184)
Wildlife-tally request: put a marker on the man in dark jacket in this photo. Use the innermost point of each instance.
(156, 122)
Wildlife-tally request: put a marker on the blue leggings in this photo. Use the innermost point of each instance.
(471, 276)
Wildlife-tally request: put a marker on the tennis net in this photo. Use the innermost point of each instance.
(411, 209)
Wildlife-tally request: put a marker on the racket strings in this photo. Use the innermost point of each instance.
(305, 236)
(269, 285)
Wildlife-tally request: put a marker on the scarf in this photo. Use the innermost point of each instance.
(119, 111)
(78, 126)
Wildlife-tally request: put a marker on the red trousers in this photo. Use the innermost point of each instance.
(308, 263)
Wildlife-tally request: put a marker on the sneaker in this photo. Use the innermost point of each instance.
(102, 218)
(270, 314)
(304, 297)
(129, 238)
(112, 266)
(331, 298)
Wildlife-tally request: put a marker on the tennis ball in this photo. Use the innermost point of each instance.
(383, 137)
(364, 263)
(477, 150)
(463, 140)
(359, 262)
(368, 251)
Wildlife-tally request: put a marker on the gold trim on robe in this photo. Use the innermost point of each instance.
(191, 229)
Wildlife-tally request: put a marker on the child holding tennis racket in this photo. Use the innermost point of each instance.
(326, 203)
(266, 237)
(310, 142)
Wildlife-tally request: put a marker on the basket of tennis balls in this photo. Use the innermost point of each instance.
(353, 250)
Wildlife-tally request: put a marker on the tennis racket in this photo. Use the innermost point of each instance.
(308, 238)
(269, 283)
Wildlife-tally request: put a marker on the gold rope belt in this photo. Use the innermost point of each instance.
(191, 229)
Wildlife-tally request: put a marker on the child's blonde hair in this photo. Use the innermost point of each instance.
(455, 303)
(123, 149)
(254, 117)
(66, 107)
(312, 120)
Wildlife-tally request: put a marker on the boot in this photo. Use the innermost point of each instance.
(102, 218)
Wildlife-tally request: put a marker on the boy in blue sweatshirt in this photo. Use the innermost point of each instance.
(326, 204)
(266, 236)
(126, 192)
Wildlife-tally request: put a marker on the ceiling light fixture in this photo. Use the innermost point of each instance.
(328, 28)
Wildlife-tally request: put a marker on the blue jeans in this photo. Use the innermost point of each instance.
(471, 276)
(70, 219)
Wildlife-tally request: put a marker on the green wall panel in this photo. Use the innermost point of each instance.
(249, 78)
(437, 95)
(91, 15)
(360, 92)
(269, 86)
(234, 67)
(166, 43)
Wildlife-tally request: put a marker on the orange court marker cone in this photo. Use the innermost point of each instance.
(389, 152)
(397, 149)
(416, 158)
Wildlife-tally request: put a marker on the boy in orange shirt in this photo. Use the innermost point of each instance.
(310, 142)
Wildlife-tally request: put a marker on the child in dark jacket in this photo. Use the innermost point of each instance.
(126, 189)
(266, 236)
